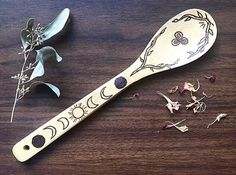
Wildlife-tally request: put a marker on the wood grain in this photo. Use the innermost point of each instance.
(124, 137)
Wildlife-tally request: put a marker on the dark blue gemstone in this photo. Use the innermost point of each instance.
(120, 82)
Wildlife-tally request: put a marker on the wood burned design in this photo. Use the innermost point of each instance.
(91, 104)
(78, 112)
(52, 129)
(179, 39)
(205, 23)
(65, 122)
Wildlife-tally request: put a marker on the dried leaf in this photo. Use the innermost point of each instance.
(56, 25)
(38, 71)
(43, 55)
(54, 89)
(47, 53)
(25, 32)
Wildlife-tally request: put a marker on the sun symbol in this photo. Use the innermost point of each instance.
(77, 112)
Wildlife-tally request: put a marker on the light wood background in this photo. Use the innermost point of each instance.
(125, 136)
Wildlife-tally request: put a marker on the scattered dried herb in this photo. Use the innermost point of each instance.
(32, 37)
(173, 89)
(170, 104)
(211, 78)
(169, 124)
(218, 118)
(207, 96)
(197, 105)
(190, 87)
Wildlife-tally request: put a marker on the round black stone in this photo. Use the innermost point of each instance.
(120, 82)
(38, 141)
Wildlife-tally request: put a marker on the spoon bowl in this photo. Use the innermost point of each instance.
(181, 40)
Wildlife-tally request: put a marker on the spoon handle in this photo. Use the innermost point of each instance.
(67, 119)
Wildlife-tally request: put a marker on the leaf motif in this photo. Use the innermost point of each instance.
(199, 14)
(56, 25)
(25, 32)
(202, 40)
(201, 50)
(152, 69)
(175, 20)
(150, 52)
(190, 52)
(38, 71)
(188, 19)
(211, 32)
(163, 30)
(141, 59)
(47, 53)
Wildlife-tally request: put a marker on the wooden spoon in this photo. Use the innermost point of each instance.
(181, 40)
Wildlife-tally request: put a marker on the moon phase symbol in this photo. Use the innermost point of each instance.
(77, 112)
(64, 121)
(91, 104)
(103, 96)
(52, 129)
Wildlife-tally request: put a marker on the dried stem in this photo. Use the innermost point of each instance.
(26, 54)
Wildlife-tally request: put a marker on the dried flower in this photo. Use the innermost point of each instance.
(211, 77)
(196, 105)
(218, 118)
(190, 87)
(169, 124)
(170, 105)
(173, 89)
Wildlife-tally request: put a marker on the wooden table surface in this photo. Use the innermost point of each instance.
(125, 136)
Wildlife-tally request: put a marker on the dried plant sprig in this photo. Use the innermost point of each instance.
(170, 104)
(31, 37)
(197, 105)
(169, 124)
(218, 118)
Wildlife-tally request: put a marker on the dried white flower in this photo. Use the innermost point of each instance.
(190, 87)
(170, 105)
(196, 105)
(169, 124)
(218, 118)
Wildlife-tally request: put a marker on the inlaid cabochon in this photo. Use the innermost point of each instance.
(181, 40)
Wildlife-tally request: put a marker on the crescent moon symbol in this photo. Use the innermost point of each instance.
(53, 130)
(64, 121)
(103, 96)
(91, 104)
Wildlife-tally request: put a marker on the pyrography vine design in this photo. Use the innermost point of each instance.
(147, 53)
(205, 23)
